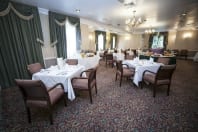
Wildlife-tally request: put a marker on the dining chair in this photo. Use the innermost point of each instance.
(109, 60)
(72, 61)
(129, 57)
(86, 83)
(34, 68)
(162, 77)
(35, 94)
(163, 60)
(183, 53)
(123, 71)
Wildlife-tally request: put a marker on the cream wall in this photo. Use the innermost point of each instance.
(48, 51)
(134, 41)
(186, 39)
(87, 37)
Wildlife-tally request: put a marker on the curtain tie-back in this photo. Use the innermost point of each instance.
(54, 43)
(40, 41)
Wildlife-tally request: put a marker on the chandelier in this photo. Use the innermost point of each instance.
(150, 31)
(133, 22)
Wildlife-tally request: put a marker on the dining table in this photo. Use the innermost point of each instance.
(89, 62)
(60, 74)
(140, 66)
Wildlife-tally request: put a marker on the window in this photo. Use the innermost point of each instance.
(71, 40)
(100, 42)
(158, 42)
(113, 42)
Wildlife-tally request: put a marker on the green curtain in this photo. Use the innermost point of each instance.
(97, 33)
(151, 40)
(58, 33)
(19, 45)
(111, 39)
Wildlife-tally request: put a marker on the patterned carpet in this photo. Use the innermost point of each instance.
(115, 108)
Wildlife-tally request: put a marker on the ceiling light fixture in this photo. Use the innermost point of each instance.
(77, 10)
(128, 2)
(150, 31)
(133, 22)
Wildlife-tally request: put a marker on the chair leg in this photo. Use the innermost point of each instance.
(116, 77)
(120, 81)
(90, 96)
(28, 114)
(51, 116)
(168, 90)
(154, 91)
(141, 84)
(65, 100)
(96, 88)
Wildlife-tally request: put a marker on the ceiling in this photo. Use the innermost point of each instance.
(110, 15)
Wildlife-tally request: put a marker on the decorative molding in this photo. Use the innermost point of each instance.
(10, 6)
(61, 23)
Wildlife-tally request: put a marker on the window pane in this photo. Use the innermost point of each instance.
(113, 42)
(100, 42)
(158, 42)
(71, 40)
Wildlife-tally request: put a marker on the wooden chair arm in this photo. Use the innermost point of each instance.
(85, 71)
(148, 71)
(51, 88)
(78, 78)
(125, 65)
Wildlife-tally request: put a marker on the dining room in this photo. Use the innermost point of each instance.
(119, 65)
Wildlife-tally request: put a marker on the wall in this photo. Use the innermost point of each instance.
(176, 39)
(134, 41)
(87, 37)
(186, 39)
(48, 51)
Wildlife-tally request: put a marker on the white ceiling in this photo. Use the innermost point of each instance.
(162, 15)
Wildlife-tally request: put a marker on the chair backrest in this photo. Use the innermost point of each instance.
(129, 57)
(32, 89)
(165, 72)
(184, 52)
(109, 56)
(33, 68)
(92, 76)
(72, 61)
(119, 66)
(163, 60)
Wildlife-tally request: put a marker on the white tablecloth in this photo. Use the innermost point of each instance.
(89, 62)
(195, 58)
(140, 66)
(53, 75)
